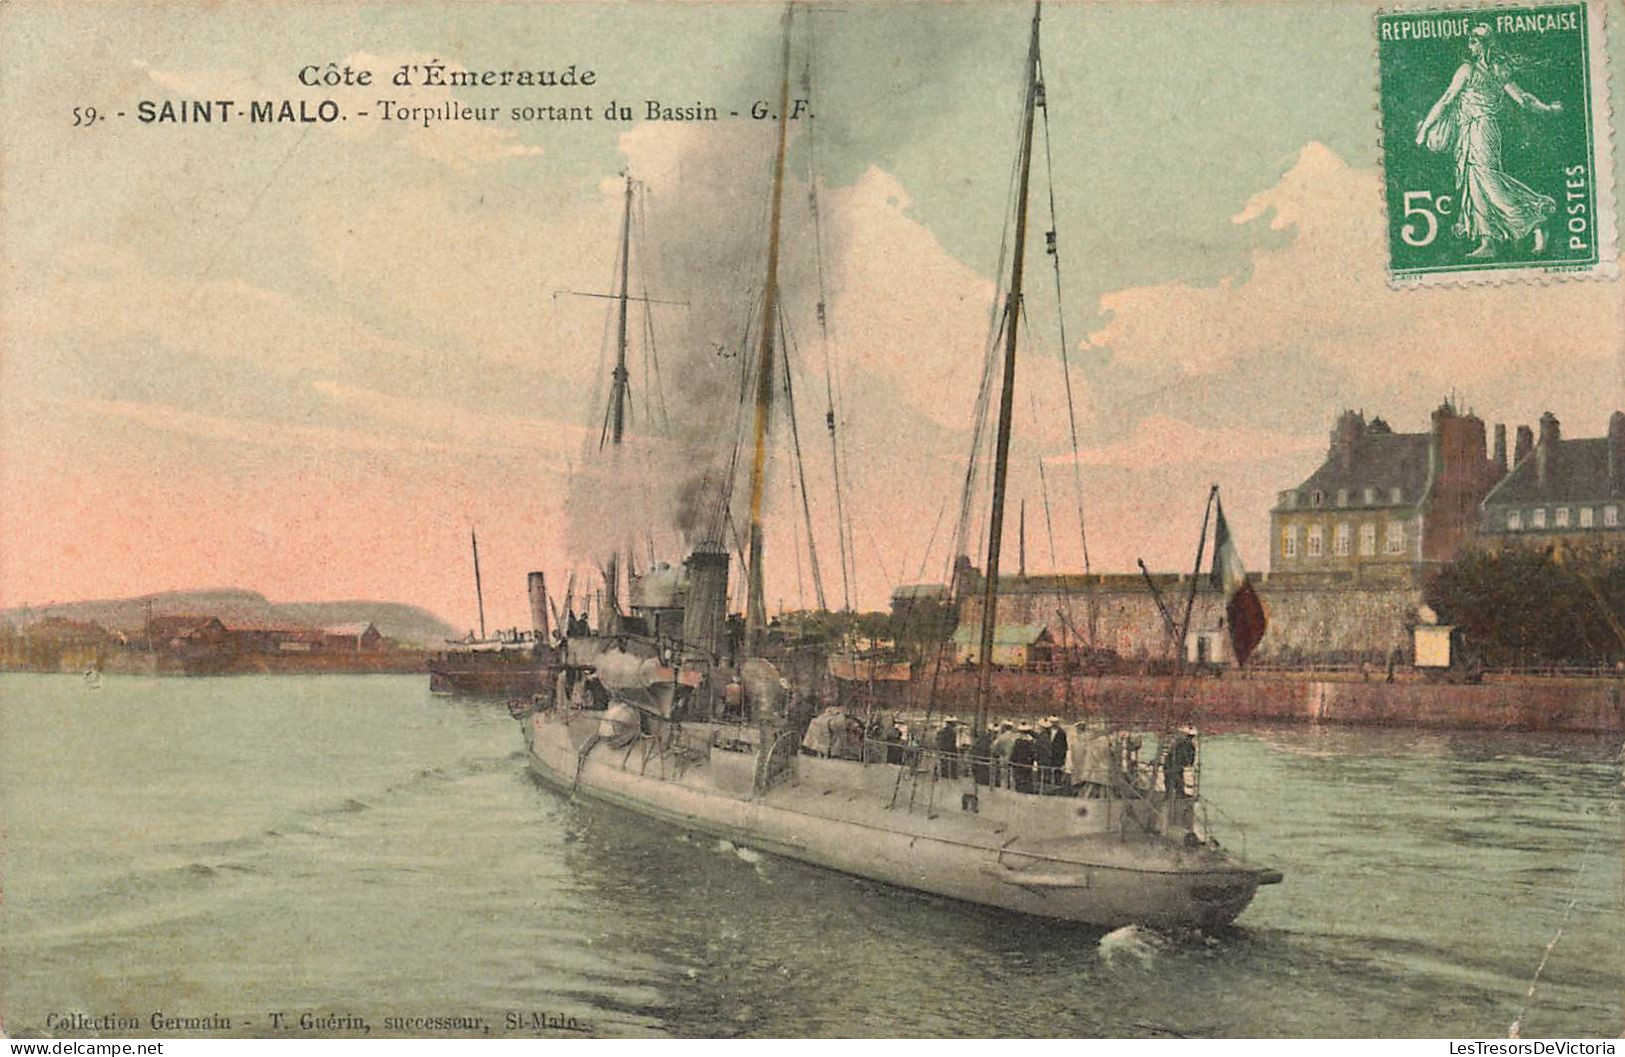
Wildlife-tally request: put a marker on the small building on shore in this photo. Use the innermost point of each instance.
(1014, 645)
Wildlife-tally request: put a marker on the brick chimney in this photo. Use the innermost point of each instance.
(1346, 438)
(1525, 444)
(1501, 447)
(1546, 450)
(1442, 416)
(1616, 452)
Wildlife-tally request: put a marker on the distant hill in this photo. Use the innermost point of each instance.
(408, 624)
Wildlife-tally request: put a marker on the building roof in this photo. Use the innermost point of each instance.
(919, 592)
(173, 626)
(1003, 634)
(1578, 472)
(349, 630)
(63, 628)
(1383, 461)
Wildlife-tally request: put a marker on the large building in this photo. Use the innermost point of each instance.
(1561, 491)
(1383, 504)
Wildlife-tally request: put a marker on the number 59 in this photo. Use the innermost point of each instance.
(1413, 207)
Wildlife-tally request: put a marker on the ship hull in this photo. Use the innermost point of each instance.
(476, 682)
(490, 674)
(843, 816)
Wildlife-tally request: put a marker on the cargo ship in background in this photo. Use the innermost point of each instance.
(513, 663)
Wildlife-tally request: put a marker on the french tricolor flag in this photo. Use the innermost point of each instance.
(1243, 611)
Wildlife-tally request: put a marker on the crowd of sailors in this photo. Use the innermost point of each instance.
(1044, 759)
(1089, 760)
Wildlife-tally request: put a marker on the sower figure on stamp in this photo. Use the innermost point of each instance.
(1493, 206)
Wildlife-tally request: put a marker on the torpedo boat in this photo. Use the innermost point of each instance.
(677, 712)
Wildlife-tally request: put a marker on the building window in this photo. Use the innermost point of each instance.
(1585, 517)
(1560, 517)
(1289, 542)
(1395, 543)
(1342, 497)
(1610, 516)
(1537, 518)
(1317, 544)
(1396, 495)
(1340, 540)
(1289, 500)
(1370, 497)
(1514, 521)
(1368, 539)
(1317, 498)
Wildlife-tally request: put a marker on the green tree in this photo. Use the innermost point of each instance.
(1523, 606)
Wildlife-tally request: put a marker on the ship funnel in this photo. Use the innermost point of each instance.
(705, 612)
(538, 605)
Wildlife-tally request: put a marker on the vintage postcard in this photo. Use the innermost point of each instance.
(551, 521)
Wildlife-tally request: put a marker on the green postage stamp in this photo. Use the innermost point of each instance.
(1497, 143)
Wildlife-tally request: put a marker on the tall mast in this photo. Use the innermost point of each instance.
(1012, 316)
(479, 593)
(620, 384)
(621, 378)
(755, 605)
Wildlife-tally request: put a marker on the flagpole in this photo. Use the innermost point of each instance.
(1196, 572)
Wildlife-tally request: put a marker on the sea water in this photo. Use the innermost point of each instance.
(347, 856)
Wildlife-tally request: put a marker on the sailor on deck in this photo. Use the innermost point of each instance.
(1003, 745)
(1024, 760)
(1180, 762)
(981, 757)
(948, 748)
(895, 741)
(1052, 755)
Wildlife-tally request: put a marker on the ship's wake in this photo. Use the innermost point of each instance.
(1131, 944)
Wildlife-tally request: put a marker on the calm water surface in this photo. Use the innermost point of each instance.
(351, 846)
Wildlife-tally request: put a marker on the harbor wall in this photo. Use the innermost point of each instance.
(1311, 617)
(1531, 704)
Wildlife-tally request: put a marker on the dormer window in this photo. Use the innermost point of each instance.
(1342, 497)
(1370, 497)
(1289, 500)
(1560, 517)
(1514, 521)
(1586, 516)
(1396, 494)
(1317, 498)
(1538, 518)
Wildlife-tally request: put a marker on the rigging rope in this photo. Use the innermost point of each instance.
(843, 527)
(1060, 312)
(785, 339)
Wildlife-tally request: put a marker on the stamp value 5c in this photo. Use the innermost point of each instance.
(1497, 143)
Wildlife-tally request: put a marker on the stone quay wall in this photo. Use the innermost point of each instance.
(1595, 706)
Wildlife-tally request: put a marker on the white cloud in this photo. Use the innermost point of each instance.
(1325, 291)
(165, 418)
(1157, 437)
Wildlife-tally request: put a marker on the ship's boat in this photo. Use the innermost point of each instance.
(675, 712)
